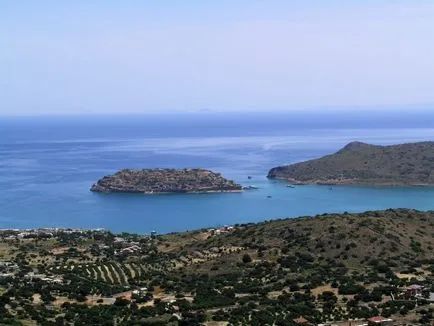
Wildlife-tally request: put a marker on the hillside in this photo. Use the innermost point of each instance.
(331, 267)
(159, 181)
(354, 240)
(359, 163)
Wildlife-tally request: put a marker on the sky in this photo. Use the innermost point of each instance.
(139, 56)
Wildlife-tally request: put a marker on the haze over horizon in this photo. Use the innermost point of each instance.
(108, 57)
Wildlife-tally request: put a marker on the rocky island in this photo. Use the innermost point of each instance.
(364, 164)
(161, 181)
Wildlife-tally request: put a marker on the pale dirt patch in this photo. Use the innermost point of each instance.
(126, 295)
(60, 300)
(198, 260)
(164, 297)
(274, 294)
(27, 322)
(188, 297)
(92, 300)
(203, 235)
(321, 289)
(179, 264)
(242, 295)
(409, 276)
(346, 323)
(36, 298)
(402, 275)
(157, 290)
(62, 250)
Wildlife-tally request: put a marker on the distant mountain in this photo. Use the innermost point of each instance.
(359, 163)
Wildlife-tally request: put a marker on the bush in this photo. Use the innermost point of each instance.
(351, 289)
(247, 258)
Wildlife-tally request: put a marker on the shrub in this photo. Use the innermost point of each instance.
(247, 258)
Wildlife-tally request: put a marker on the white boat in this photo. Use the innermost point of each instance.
(250, 187)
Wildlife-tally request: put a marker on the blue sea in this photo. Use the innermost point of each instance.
(47, 165)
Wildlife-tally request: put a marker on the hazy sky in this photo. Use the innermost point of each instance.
(145, 56)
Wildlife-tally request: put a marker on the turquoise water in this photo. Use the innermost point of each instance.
(48, 164)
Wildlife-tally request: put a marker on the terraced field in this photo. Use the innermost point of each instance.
(110, 272)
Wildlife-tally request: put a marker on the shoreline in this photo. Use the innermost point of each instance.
(149, 193)
(332, 182)
(65, 229)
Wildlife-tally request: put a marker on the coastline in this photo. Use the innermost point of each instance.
(149, 193)
(319, 216)
(189, 192)
(348, 182)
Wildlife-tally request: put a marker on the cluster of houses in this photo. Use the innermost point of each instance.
(132, 250)
(373, 321)
(218, 231)
(9, 269)
(412, 291)
(49, 279)
(126, 247)
(18, 234)
(140, 292)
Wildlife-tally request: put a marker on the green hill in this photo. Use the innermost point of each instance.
(327, 268)
(398, 237)
(359, 163)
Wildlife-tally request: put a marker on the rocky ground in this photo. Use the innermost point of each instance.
(157, 181)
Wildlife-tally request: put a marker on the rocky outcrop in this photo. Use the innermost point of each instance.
(360, 163)
(159, 181)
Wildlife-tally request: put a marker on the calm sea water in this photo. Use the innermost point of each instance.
(47, 165)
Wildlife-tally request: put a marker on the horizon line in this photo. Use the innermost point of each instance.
(409, 109)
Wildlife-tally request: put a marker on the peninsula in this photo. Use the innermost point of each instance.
(160, 181)
(364, 164)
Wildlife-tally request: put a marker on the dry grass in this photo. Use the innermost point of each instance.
(324, 288)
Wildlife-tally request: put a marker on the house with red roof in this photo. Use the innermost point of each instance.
(380, 321)
(301, 321)
(414, 290)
